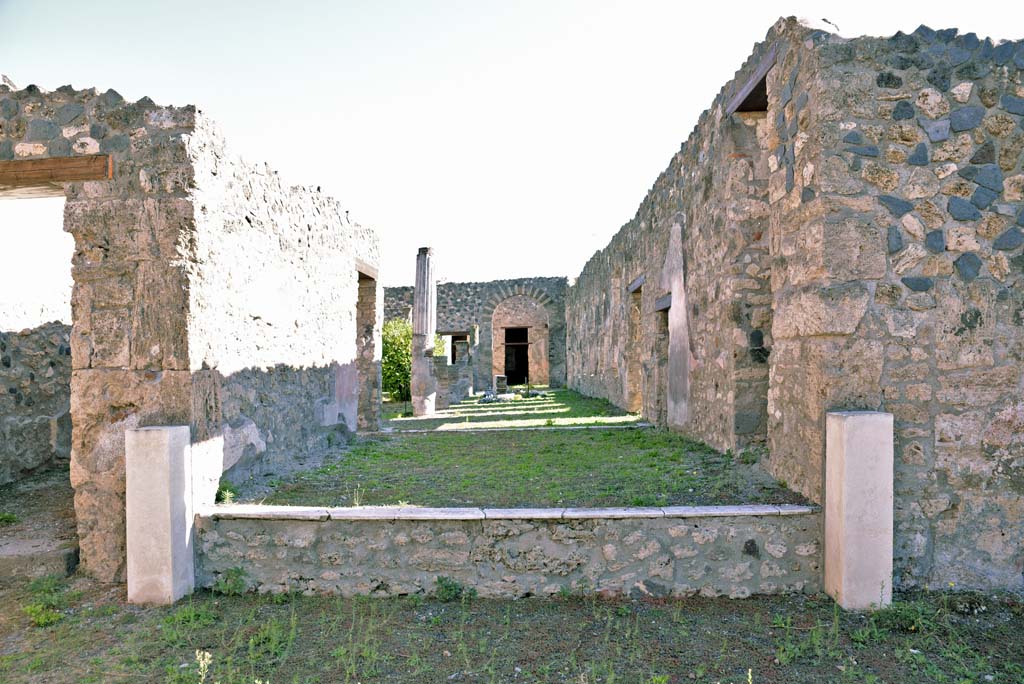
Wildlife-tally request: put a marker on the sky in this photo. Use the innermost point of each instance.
(515, 138)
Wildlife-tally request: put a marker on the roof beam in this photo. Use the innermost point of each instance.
(23, 178)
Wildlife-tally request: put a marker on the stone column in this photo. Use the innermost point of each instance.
(424, 327)
(159, 514)
(859, 508)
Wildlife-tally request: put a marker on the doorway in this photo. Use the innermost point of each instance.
(517, 355)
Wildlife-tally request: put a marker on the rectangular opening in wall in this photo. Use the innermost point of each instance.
(757, 99)
(35, 337)
(517, 355)
(457, 338)
(367, 355)
(634, 396)
(661, 364)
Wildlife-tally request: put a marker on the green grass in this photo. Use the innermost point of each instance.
(8, 519)
(560, 408)
(641, 467)
(238, 639)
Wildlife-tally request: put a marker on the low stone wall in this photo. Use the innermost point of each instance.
(35, 400)
(730, 551)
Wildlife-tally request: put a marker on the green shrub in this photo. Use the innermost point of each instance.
(8, 519)
(232, 582)
(448, 590)
(41, 616)
(396, 358)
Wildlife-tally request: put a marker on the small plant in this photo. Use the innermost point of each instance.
(908, 617)
(178, 627)
(49, 595)
(448, 590)
(8, 519)
(550, 422)
(357, 496)
(42, 616)
(232, 582)
(271, 641)
(752, 454)
(226, 492)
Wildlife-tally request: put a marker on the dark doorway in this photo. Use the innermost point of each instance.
(517, 355)
(458, 338)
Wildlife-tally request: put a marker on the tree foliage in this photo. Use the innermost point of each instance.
(396, 358)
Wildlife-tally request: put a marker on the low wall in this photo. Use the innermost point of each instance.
(734, 551)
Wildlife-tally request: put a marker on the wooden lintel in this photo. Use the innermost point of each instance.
(763, 67)
(663, 303)
(365, 270)
(637, 284)
(43, 177)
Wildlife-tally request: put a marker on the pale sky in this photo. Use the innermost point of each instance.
(513, 137)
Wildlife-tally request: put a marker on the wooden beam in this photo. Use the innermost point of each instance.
(663, 303)
(44, 177)
(637, 284)
(765, 65)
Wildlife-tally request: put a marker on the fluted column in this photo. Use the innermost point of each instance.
(424, 328)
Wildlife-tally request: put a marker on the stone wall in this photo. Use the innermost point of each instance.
(521, 311)
(901, 286)
(454, 380)
(274, 291)
(35, 400)
(713, 551)
(469, 308)
(705, 222)
(180, 265)
(855, 245)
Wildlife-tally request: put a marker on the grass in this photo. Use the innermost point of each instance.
(8, 519)
(559, 408)
(641, 467)
(926, 637)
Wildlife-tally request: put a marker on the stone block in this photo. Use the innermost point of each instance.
(859, 508)
(159, 514)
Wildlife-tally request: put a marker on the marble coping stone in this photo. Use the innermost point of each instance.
(259, 512)
(419, 431)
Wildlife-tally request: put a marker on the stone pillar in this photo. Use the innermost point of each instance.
(424, 327)
(859, 508)
(159, 514)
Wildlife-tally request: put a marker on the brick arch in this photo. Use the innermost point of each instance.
(522, 306)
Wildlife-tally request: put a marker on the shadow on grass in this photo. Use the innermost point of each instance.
(558, 408)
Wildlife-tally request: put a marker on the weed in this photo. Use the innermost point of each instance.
(907, 617)
(448, 590)
(226, 492)
(42, 616)
(49, 596)
(272, 641)
(8, 519)
(179, 627)
(232, 582)
(752, 454)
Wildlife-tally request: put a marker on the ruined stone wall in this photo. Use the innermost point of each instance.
(732, 552)
(706, 216)
(274, 287)
(886, 184)
(465, 306)
(900, 287)
(129, 303)
(35, 400)
(165, 254)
